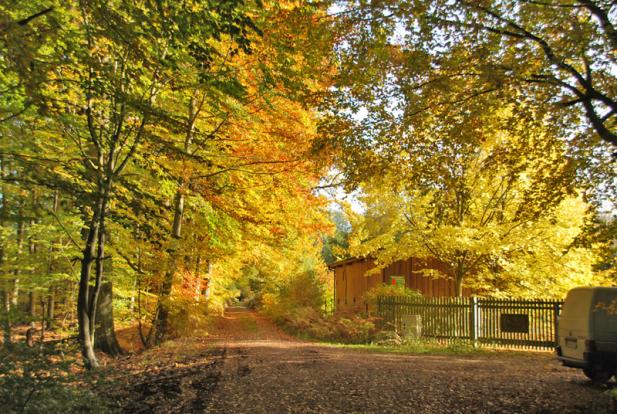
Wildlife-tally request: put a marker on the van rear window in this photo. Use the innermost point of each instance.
(605, 298)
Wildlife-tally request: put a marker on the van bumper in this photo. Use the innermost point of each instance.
(589, 359)
(575, 363)
(571, 362)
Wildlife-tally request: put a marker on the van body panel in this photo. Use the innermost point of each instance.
(587, 332)
(574, 326)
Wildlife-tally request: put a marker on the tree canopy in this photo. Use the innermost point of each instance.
(400, 60)
(159, 158)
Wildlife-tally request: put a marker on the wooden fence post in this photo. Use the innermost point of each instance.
(395, 313)
(473, 320)
(556, 307)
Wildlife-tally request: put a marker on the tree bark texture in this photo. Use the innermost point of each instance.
(6, 319)
(459, 277)
(104, 333)
(17, 270)
(162, 328)
(51, 298)
(32, 308)
(51, 304)
(85, 315)
(6, 298)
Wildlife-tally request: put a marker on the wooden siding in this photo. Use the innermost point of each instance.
(351, 282)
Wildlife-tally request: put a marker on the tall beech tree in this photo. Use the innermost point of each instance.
(155, 137)
(414, 109)
(109, 65)
(241, 136)
(490, 195)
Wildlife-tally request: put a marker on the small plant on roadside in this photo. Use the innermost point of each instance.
(188, 317)
(385, 290)
(612, 394)
(43, 381)
(310, 323)
(428, 346)
(388, 338)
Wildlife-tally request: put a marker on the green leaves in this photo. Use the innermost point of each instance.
(407, 62)
(488, 197)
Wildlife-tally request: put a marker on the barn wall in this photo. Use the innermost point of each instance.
(351, 283)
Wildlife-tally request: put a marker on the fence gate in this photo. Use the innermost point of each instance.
(513, 323)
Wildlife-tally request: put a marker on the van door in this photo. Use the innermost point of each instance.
(574, 323)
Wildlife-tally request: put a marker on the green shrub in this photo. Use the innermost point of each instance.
(188, 317)
(296, 303)
(385, 290)
(43, 382)
(295, 296)
(310, 323)
(355, 329)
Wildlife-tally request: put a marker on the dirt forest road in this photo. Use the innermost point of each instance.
(247, 365)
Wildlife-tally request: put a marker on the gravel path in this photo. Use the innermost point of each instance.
(247, 365)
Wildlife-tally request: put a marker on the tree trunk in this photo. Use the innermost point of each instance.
(12, 299)
(32, 315)
(86, 336)
(87, 300)
(132, 299)
(161, 323)
(198, 278)
(162, 329)
(459, 287)
(72, 287)
(208, 290)
(43, 323)
(459, 276)
(17, 270)
(51, 304)
(32, 252)
(32, 308)
(6, 318)
(6, 298)
(101, 304)
(30, 336)
(105, 334)
(51, 298)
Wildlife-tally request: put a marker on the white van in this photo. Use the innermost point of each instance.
(587, 333)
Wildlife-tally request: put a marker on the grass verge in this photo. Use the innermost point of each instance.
(428, 347)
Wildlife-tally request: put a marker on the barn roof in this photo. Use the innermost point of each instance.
(344, 262)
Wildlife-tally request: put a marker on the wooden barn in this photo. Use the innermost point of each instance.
(351, 282)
